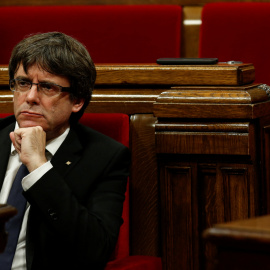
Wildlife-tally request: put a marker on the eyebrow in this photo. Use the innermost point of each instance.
(24, 78)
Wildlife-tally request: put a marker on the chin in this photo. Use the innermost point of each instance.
(29, 123)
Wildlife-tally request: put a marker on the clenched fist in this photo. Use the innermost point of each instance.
(30, 143)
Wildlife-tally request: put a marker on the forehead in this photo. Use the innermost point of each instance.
(36, 72)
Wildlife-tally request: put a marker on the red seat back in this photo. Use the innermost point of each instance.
(116, 126)
(239, 32)
(112, 34)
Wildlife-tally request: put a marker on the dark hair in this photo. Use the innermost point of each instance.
(59, 54)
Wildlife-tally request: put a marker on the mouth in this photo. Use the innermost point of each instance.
(31, 114)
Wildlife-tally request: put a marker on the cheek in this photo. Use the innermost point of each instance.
(58, 109)
(49, 106)
(17, 100)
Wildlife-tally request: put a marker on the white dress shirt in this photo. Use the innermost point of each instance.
(19, 261)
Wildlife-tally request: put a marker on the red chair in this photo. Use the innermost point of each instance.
(116, 126)
(111, 33)
(239, 32)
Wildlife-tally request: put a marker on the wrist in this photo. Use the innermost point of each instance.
(31, 166)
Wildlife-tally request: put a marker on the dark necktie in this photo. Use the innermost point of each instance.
(13, 226)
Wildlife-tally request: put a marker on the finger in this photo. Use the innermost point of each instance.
(14, 141)
(17, 141)
(12, 137)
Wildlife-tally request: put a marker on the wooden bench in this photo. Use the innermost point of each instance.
(197, 138)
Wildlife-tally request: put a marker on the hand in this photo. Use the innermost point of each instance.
(30, 143)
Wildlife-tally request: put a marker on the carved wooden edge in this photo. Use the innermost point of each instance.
(6, 212)
(169, 125)
(248, 94)
(242, 102)
(247, 234)
(149, 74)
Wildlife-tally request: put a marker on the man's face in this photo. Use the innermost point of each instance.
(32, 108)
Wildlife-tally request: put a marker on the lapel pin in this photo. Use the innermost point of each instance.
(68, 162)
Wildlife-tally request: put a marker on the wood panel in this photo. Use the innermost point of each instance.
(145, 207)
(202, 143)
(239, 195)
(177, 181)
(266, 164)
(265, 157)
(195, 196)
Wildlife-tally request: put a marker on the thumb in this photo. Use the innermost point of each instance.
(12, 137)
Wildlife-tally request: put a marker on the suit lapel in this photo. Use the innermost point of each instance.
(68, 153)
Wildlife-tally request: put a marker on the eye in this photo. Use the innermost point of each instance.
(23, 84)
(46, 86)
(49, 89)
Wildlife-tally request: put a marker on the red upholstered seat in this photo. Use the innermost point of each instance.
(237, 31)
(116, 126)
(112, 34)
(135, 263)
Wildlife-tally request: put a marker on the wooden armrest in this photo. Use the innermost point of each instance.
(246, 233)
(243, 244)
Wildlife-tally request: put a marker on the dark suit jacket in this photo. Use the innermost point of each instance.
(76, 209)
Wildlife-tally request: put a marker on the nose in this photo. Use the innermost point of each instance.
(32, 95)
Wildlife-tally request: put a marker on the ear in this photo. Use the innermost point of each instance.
(77, 105)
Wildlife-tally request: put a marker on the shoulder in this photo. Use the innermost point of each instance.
(93, 138)
(7, 122)
(100, 148)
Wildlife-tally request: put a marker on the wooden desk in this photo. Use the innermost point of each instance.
(243, 244)
(200, 151)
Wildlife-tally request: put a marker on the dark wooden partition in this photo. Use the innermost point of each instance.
(200, 151)
(212, 153)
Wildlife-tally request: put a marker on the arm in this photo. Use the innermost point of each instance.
(84, 215)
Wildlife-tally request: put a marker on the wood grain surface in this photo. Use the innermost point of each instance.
(219, 74)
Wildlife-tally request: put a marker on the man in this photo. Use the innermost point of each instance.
(77, 177)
